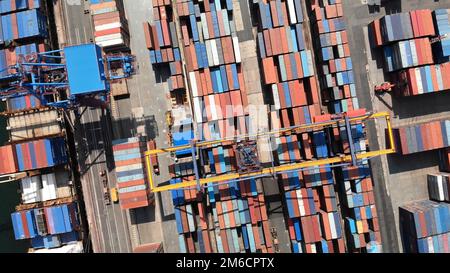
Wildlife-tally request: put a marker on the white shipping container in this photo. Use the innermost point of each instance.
(103, 10)
(204, 25)
(212, 105)
(193, 82)
(215, 54)
(338, 38)
(403, 55)
(419, 81)
(332, 225)
(276, 98)
(198, 109)
(415, 58)
(200, 32)
(108, 37)
(301, 205)
(132, 167)
(237, 52)
(209, 53)
(48, 191)
(291, 11)
(31, 189)
(226, 23)
(310, 62)
(114, 42)
(439, 77)
(108, 26)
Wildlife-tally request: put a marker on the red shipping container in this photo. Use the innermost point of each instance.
(220, 23)
(283, 40)
(298, 62)
(162, 12)
(209, 22)
(156, 14)
(270, 71)
(148, 36)
(267, 43)
(306, 141)
(288, 68)
(8, 160)
(207, 7)
(274, 14)
(156, 44)
(256, 236)
(285, 118)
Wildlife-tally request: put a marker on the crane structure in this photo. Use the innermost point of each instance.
(249, 162)
(67, 78)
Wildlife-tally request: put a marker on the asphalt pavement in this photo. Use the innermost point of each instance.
(397, 179)
(108, 224)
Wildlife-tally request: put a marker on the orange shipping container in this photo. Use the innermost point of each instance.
(270, 71)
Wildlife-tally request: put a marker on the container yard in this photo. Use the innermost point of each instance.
(225, 126)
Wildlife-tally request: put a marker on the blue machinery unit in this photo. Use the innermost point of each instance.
(75, 74)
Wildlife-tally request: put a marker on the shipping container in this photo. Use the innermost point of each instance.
(439, 187)
(131, 172)
(8, 159)
(42, 153)
(425, 226)
(33, 125)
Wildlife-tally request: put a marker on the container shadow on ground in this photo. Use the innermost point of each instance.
(143, 215)
(405, 163)
(164, 217)
(393, 6)
(161, 72)
(424, 104)
(127, 126)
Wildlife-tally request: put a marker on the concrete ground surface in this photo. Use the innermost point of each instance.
(398, 179)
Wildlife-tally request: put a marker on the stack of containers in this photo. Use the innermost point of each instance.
(36, 141)
(22, 25)
(48, 227)
(41, 188)
(409, 53)
(235, 221)
(39, 154)
(444, 160)
(131, 172)
(339, 92)
(33, 124)
(361, 220)
(425, 227)
(442, 24)
(231, 217)
(212, 55)
(408, 50)
(162, 41)
(110, 25)
(288, 74)
(402, 26)
(337, 78)
(424, 79)
(286, 63)
(439, 187)
(422, 137)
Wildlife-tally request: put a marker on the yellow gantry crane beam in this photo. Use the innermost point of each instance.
(277, 169)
